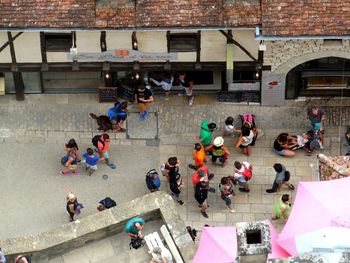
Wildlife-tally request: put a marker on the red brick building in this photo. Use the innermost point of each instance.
(264, 51)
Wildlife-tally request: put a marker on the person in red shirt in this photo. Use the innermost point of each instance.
(202, 175)
(103, 147)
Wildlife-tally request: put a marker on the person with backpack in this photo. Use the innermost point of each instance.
(133, 229)
(171, 168)
(69, 161)
(226, 188)
(143, 97)
(152, 181)
(242, 175)
(282, 177)
(218, 151)
(117, 114)
(73, 207)
(91, 161)
(201, 195)
(102, 143)
(23, 259)
(106, 204)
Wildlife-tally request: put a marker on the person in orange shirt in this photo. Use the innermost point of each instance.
(198, 156)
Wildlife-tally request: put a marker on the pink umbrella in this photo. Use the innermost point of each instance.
(317, 205)
(277, 251)
(217, 244)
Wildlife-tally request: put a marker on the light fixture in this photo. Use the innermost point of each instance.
(257, 75)
(107, 76)
(134, 41)
(137, 76)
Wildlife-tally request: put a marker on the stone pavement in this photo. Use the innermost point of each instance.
(33, 133)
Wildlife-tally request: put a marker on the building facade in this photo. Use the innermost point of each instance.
(264, 51)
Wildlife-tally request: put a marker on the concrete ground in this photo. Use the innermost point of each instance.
(34, 131)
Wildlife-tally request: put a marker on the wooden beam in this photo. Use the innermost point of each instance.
(230, 38)
(43, 47)
(7, 43)
(168, 41)
(17, 76)
(198, 46)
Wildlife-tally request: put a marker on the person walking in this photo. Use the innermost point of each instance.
(198, 157)
(201, 195)
(69, 161)
(316, 117)
(91, 161)
(202, 175)
(152, 181)
(73, 207)
(166, 83)
(282, 208)
(205, 135)
(230, 127)
(246, 139)
(171, 168)
(187, 85)
(242, 175)
(226, 188)
(282, 177)
(143, 97)
(175, 184)
(218, 151)
(118, 114)
(102, 143)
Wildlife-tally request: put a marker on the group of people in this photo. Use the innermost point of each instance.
(286, 144)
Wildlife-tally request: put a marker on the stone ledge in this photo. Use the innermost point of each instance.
(106, 223)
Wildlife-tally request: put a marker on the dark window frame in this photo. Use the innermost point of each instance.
(58, 42)
(183, 42)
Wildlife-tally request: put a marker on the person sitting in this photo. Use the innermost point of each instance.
(282, 147)
(161, 255)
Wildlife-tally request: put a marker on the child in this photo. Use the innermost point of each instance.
(229, 126)
(198, 156)
(91, 161)
(282, 208)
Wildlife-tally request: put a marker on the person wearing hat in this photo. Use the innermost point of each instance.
(72, 207)
(218, 150)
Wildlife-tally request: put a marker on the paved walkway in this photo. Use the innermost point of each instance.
(33, 133)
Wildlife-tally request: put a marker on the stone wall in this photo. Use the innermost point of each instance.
(103, 224)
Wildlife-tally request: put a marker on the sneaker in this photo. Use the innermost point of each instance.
(230, 209)
(112, 165)
(204, 214)
(76, 173)
(120, 130)
(145, 114)
(270, 191)
(63, 173)
(180, 202)
(292, 187)
(211, 189)
(142, 117)
(244, 190)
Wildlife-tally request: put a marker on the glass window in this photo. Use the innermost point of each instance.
(58, 42)
(182, 42)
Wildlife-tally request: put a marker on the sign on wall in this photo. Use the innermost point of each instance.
(273, 88)
(122, 55)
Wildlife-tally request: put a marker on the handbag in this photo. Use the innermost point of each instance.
(137, 243)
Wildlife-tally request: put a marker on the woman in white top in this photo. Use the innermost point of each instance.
(166, 83)
(246, 140)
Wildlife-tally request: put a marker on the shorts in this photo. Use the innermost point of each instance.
(316, 126)
(105, 155)
(93, 167)
(227, 200)
(243, 146)
(143, 106)
(242, 183)
(188, 91)
(282, 152)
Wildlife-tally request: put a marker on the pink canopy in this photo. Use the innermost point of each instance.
(276, 251)
(317, 205)
(217, 244)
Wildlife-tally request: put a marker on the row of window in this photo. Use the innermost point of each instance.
(177, 42)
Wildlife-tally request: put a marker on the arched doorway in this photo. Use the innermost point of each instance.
(327, 76)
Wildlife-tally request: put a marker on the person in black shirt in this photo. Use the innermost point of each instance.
(280, 145)
(143, 97)
(201, 195)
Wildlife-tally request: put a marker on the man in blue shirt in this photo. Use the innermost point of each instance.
(117, 114)
(134, 226)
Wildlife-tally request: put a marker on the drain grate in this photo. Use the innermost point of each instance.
(105, 177)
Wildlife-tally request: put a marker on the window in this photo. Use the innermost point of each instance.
(182, 42)
(58, 42)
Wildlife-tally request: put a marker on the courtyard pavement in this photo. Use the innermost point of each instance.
(33, 132)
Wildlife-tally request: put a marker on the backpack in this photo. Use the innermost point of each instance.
(108, 202)
(137, 243)
(247, 173)
(96, 139)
